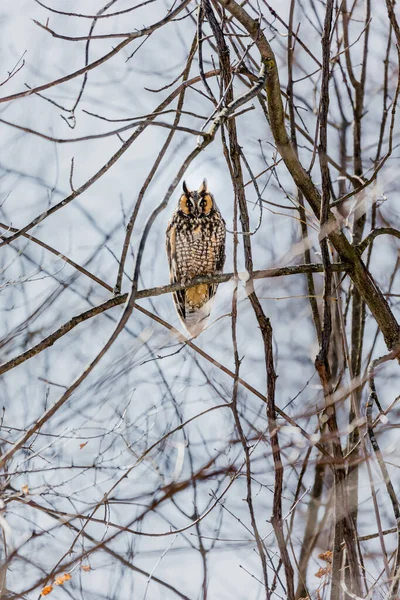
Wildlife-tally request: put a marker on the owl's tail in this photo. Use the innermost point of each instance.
(196, 319)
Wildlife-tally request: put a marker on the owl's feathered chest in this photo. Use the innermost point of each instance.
(198, 244)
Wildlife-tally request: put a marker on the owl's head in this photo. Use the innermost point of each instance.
(196, 204)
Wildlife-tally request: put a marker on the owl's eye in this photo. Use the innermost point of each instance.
(185, 204)
(206, 203)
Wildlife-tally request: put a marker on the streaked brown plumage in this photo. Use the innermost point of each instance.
(195, 246)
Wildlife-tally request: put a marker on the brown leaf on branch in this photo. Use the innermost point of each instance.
(322, 571)
(327, 556)
(86, 568)
(46, 590)
(62, 579)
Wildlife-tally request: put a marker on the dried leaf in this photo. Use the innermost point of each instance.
(62, 579)
(322, 571)
(327, 556)
(46, 590)
(25, 490)
(82, 445)
(86, 568)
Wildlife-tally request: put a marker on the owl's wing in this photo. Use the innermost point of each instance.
(174, 277)
(219, 265)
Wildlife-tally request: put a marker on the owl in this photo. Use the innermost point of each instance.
(195, 246)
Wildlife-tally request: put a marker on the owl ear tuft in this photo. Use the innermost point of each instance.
(185, 189)
(203, 188)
